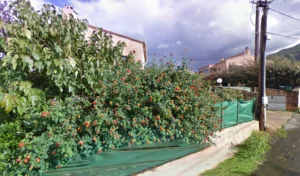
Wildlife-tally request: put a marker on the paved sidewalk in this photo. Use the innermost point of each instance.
(284, 157)
(197, 163)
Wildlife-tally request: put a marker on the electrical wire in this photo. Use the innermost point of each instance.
(284, 14)
(287, 36)
(285, 21)
(251, 15)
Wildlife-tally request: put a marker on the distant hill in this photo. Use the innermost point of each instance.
(292, 53)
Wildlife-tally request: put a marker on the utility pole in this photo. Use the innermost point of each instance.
(262, 98)
(256, 45)
(256, 54)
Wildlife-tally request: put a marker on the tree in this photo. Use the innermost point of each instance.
(52, 53)
(280, 71)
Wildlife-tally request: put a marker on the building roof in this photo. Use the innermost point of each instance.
(225, 59)
(124, 36)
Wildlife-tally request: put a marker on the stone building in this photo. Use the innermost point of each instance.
(139, 47)
(243, 58)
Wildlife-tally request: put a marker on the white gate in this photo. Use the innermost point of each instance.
(277, 103)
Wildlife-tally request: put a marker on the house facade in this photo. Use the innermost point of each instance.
(139, 47)
(243, 58)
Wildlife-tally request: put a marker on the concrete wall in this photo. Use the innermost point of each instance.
(220, 67)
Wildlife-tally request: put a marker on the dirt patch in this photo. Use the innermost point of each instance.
(276, 119)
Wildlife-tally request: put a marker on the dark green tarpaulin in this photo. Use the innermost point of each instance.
(127, 161)
(245, 111)
(230, 114)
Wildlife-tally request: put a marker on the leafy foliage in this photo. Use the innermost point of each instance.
(227, 94)
(279, 71)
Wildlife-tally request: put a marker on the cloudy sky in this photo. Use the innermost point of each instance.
(209, 29)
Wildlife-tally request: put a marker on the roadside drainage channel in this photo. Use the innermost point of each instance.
(284, 157)
(210, 157)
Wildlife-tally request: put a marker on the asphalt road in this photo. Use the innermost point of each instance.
(284, 157)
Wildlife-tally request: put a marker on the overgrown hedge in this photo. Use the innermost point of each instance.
(64, 101)
(280, 71)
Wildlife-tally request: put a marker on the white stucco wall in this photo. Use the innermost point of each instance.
(130, 45)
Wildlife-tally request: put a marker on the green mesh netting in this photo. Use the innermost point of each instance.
(235, 112)
(229, 114)
(246, 109)
(127, 161)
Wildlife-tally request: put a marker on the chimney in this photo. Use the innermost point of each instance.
(67, 11)
(222, 58)
(247, 51)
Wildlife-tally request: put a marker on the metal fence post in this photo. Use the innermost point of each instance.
(237, 113)
(221, 115)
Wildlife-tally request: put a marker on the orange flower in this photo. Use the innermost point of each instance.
(80, 142)
(45, 114)
(157, 117)
(21, 144)
(38, 160)
(87, 124)
(128, 71)
(94, 123)
(177, 89)
(26, 160)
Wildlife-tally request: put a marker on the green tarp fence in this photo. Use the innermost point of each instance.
(235, 112)
(128, 161)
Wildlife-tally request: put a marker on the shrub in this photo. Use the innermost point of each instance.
(280, 71)
(227, 94)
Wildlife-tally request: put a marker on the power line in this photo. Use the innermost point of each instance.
(251, 15)
(285, 14)
(286, 22)
(287, 36)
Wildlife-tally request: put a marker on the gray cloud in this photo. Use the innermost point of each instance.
(208, 29)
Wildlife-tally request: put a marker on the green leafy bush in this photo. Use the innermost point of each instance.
(280, 71)
(227, 94)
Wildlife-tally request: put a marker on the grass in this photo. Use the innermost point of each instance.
(280, 132)
(246, 160)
